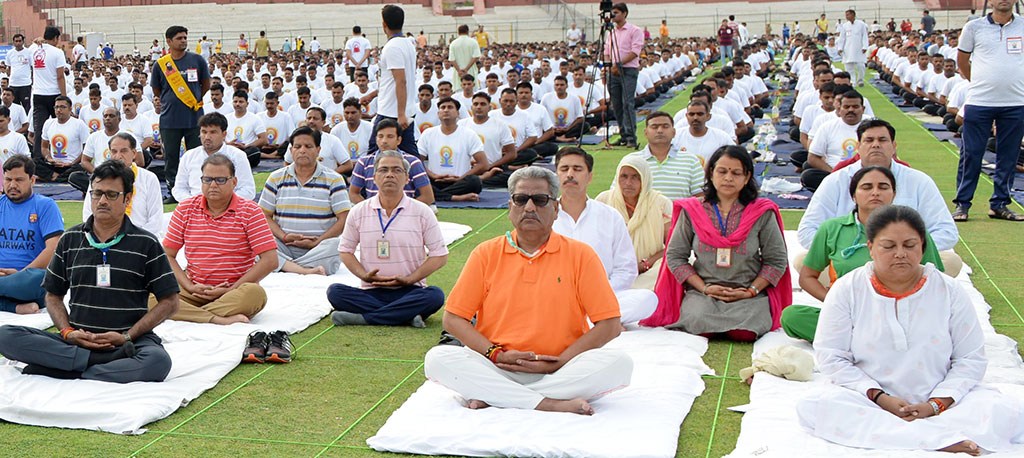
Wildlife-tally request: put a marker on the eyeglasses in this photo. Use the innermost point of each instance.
(111, 195)
(219, 180)
(387, 170)
(540, 200)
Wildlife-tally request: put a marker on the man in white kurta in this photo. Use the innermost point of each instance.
(928, 344)
(853, 46)
(592, 222)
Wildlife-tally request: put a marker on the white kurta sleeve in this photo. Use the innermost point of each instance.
(968, 362)
(936, 215)
(834, 337)
(624, 269)
(821, 207)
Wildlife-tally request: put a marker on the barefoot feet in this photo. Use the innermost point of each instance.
(230, 319)
(968, 447)
(476, 404)
(577, 406)
(26, 308)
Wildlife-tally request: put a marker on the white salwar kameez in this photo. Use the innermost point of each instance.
(928, 344)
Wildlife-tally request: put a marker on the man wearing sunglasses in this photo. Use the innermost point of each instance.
(228, 245)
(593, 223)
(532, 292)
(213, 129)
(111, 268)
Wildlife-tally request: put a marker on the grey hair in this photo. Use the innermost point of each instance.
(534, 173)
(390, 153)
(124, 136)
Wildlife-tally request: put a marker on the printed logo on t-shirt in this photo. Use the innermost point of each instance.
(39, 58)
(336, 119)
(33, 218)
(424, 126)
(78, 108)
(560, 116)
(582, 101)
(353, 149)
(364, 108)
(239, 130)
(271, 134)
(446, 157)
(94, 125)
(513, 129)
(60, 146)
(156, 132)
(481, 138)
(106, 154)
(849, 148)
(494, 106)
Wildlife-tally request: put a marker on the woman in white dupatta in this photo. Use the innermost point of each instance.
(903, 347)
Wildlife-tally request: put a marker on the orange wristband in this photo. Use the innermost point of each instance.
(64, 332)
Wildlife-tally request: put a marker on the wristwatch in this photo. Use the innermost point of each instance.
(127, 337)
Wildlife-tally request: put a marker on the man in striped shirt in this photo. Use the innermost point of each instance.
(676, 174)
(111, 267)
(363, 185)
(391, 230)
(229, 248)
(305, 205)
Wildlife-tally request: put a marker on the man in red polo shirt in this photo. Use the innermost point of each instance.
(223, 236)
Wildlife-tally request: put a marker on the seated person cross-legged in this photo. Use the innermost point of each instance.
(305, 205)
(455, 156)
(30, 226)
(532, 292)
(222, 235)
(840, 246)
(391, 230)
(905, 352)
(740, 281)
(648, 214)
(111, 267)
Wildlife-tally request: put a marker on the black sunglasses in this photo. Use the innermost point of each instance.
(540, 200)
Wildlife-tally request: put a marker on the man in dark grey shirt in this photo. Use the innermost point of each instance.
(927, 23)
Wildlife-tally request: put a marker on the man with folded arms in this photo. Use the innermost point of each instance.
(391, 230)
(223, 236)
(305, 205)
(111, 267)
(532, 292)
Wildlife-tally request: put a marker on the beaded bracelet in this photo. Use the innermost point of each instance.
(492, 352)
(64, 332)
(938, 405)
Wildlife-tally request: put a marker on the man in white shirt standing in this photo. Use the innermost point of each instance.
(245, 130)
(212, 132)
(19, 70)
(573, 35)
(455, 156)
(396, 92)
(47, 81)
(79, 55)
(357, 52)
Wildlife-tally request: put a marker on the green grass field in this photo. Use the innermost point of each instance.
(345, 382)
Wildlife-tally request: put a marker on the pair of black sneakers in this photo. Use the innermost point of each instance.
(261, 347)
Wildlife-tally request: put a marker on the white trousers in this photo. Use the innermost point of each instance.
(589, 375)
(636, 304)
(856, 71)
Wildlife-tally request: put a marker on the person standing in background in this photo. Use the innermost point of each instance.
(621, 51)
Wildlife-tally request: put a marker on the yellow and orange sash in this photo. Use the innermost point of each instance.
(177, 83)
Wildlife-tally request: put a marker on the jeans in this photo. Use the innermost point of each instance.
(622, 90)
(171, 138)
(976, 131)
(386, 306)
(726, 52)
(22, 287)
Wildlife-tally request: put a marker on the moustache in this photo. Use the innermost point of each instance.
(570, 180)
(530, 215)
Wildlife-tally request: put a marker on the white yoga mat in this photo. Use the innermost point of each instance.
(39, 320)
(770, 426)
(640, 420)
(202, 354)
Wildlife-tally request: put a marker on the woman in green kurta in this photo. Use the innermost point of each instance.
(840, 246)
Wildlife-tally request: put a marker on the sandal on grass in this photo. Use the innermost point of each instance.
(960, 214)
(1004, 213)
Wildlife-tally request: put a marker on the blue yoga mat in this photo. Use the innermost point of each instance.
(936, 127)
(488, 199)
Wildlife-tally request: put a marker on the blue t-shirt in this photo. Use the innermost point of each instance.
(174, 114)
(24, 228)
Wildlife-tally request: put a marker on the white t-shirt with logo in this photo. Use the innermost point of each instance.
(11, 144)
(18, 117)
(399, 53)
(46, 60)
(703, 146)
(245, 129)
(97, 147)
(563, 112)
(355, 143)
(136, 127)
(449, 154)
(426, 120)
(279, 127)
(20, 63)
(494, 134)
(332, 152)
(66, 140)
(354, 91)
(835, 141)
(93, 119)
(335, 112)
(519, 124)
(359, 46)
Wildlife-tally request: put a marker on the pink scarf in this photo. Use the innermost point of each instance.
(670, 291)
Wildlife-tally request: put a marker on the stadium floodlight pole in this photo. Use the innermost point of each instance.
(607, 30)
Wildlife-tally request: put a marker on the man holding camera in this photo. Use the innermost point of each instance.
(621, 51)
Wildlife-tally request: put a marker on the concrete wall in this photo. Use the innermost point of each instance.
(24, 17)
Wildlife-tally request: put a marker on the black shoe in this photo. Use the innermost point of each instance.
(279, 350)
(448, 339)
(255, 348)
(170, 200)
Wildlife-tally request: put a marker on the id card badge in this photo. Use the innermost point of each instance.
(383, 249)
(1014, 45)
(103, 275)
(192, 75)
(723, 257)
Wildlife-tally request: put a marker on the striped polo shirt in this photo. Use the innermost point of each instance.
(414, 228)
(680, 176)
(362, 175)
(223, 248)
(309, 208)
(138, 267)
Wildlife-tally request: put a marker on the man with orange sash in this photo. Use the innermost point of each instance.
(181, 78)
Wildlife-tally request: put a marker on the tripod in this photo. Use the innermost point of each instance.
(607, 30)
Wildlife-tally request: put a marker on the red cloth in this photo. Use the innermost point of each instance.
(670, 291)
(855, 158)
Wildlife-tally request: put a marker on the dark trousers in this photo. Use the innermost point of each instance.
(79, 180)
(746, 136)
(622, 91)
(408, 144)
(578, 131)
(253, 154)
(44, 110)
(151, 362)
(171, 139)
(469, 185)
(811, 177)
(23, 97)
(934, 109)
(45, 171)
(545, 149)
(22, 287)
(500, 179)
(385, 306)
(977, 129)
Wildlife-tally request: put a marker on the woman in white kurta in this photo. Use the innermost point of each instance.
(904, 350)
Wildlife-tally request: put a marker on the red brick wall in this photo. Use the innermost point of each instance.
(22, 14)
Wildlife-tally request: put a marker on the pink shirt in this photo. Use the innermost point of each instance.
(628, 39)
(413, 228)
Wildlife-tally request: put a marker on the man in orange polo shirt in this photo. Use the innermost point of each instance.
(532, 292)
